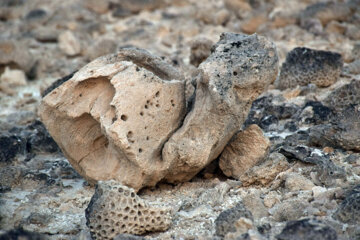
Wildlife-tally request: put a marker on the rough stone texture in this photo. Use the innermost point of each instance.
(115, 209)
(238, 70)
(349, 208)
(344, 132)
(304, 65)
(296, 182)
(247, 149)
(10, 146)
(120, 109)
(266, 172)
(200, 50)
(307, 229)
(289, 210)
(16, 54)
(344, 96)
(225, 222)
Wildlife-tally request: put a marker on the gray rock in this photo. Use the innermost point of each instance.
(225, 222)
(349, 208)
(307, 229)
(344, 132)
(304, 66)
(342, 97)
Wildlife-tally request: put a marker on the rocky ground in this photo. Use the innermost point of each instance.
(307, 181)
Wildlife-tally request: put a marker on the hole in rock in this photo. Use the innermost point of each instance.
(157, 105)
(124, 117)
(157, 94)
(140, 150)
(141, 114)
(235, 73)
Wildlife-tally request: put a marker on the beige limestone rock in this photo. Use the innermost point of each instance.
(113, 116)
(69, 43)
(247, 149)
(239, 69)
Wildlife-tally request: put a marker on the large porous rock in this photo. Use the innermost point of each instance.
(112, 118)
(304, 65)
(247, 149)
(238, 70)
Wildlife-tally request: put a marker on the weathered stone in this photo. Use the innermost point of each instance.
(344, 132)
(307, 229)
(247, 149)
(226, 221)
(349, 208)
(345, 96)
(266, 172)
(297, 182)
(118, 111)
(115, 209)
(289, 210)
(304, 65)
(16, 55)
(238, 70)
(69, 43)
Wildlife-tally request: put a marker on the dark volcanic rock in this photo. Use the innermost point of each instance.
(344, 96)
(343, 132)
(224, 223)
(20, 234)
(349, 209)
(304, 65)
(307, 229)
(39, 139)
(10, 146)
(35, 14)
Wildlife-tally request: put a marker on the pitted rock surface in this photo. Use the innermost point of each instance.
(116, 209)
(125, 111)
(304, 65)
(118, 111)
(239, 69)
(343, 97)
(344, 132)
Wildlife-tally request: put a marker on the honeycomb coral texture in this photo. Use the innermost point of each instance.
(115, 209)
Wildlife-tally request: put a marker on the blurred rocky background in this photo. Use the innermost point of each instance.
(302, 183)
